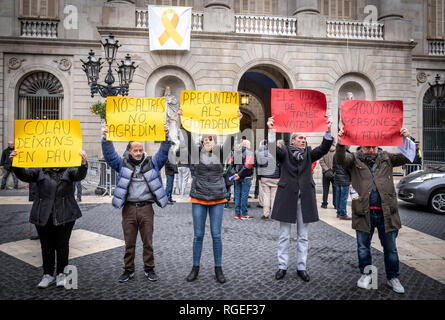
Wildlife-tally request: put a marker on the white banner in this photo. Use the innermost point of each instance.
(169, 27)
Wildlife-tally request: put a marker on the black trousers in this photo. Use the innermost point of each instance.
(55, 240)
(327, 180)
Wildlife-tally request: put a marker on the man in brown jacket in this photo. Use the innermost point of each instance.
(371, 174)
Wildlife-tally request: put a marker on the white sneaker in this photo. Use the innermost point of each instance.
(364, 282)
(60, 280)
(46, 281)
(395, 285)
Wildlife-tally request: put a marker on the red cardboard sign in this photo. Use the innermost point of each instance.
(299, 110)
(372, 123)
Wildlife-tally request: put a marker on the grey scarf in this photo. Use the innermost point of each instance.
(297, 153)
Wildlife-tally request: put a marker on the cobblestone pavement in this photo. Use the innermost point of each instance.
(422, 219)
(249, 262)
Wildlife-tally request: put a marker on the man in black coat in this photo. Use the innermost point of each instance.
(295, 200)
(6, 165)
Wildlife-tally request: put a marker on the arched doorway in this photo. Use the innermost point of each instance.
(40, 96)
(434, 123)
(257, 82)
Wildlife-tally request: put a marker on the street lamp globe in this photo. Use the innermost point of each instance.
(111, 45)
(126, 70)
(92, 67)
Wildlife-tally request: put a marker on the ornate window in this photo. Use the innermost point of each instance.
(266, 7)
(338, 9)
(40, 97)
(436, 19)
(433, 126)
(40, 9)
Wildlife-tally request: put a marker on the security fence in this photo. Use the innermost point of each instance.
(101, 177)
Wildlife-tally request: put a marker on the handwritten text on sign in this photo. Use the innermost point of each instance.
(298, 110)
(131, 118)
(372, 123)
(210, 112)
(47, 143)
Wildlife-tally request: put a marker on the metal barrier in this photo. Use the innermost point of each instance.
(411, 167)
(101, 177)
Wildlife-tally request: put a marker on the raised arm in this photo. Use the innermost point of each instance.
(161, 157)
(24, 174)
(79, 173)
(272, 143)
(325, 145)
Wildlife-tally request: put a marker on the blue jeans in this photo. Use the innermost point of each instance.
(199, 213)
(78, 186)
(341, 199)
(388, 241)
(169, 188)
(242, 188)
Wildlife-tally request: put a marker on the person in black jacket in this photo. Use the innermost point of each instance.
(54, 212)
(170, 170)
(244, 160)
(295, 201)
(208, 194)
(342, 181)
(6, 165)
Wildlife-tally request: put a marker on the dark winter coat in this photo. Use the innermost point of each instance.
(5, 161)
(208, 177)
(170, 168)
(296, 177)
(362, 181)
(342, 176)
(54, 193)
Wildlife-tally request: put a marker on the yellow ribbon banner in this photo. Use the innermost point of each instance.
(135, 119)
(47, 143)
(170, 28)
(210, 112)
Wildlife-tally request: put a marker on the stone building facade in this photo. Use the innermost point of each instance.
(245, 46)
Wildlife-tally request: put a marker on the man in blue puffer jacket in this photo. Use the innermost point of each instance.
(139, 185)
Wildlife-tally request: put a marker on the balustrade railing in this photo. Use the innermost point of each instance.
(142, 19)
(265, 25)
(354, 30)
(38, 28)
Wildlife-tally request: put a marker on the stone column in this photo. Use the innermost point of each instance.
(119, 13)
(219, 16)
(391, 15)
(309, 21)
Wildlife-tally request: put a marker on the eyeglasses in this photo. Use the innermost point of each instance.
(370, 147)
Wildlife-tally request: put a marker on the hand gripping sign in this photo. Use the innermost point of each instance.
(169, 27)
(133, 118)
(47, 143)
(372, 123)
(210, 112)
(298, 110)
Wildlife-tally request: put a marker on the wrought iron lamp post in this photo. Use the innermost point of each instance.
(125, 71)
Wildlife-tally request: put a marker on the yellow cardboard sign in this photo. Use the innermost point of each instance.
(135, 119)
(47, 143)
(210, 112)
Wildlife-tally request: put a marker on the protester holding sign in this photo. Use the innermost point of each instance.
(138, 186)
(376, 206)
(208, 194)
(295, 200)
(54, 212)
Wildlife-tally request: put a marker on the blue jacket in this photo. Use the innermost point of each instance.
(151, 175)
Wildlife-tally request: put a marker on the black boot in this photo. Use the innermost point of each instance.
(219, 275)
(193, 274)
